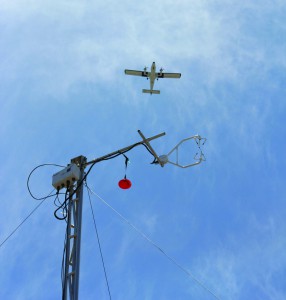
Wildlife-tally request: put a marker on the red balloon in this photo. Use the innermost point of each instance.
(124, 184)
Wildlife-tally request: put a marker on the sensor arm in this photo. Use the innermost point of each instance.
(120, 151)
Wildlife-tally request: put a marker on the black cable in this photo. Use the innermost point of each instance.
(148, 149)
(28, 180)
(63, 271)
(56, 165)
(63, 263)
(79, 184)
(63, 206)
(98, 240)
(130, 148)
(57, 201)
(6, 239)
(108, 158)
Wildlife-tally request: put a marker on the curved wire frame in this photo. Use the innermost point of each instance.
(199, 157)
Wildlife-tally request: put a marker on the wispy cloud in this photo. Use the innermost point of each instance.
(59, 45)
(258, 254)
(64, 93)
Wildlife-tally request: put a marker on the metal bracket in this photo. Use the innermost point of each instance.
(146, 141)
(79, 161)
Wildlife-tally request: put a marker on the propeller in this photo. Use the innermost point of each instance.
(161, 70)
(145, 70)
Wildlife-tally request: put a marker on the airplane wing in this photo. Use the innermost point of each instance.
(137, 73)
(168, 75)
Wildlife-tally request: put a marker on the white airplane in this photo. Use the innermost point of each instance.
(152, 75)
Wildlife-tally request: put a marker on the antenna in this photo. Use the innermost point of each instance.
(72, 178)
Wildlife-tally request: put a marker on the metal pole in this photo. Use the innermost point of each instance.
(78, 217)
(73, 235)
(66, 276)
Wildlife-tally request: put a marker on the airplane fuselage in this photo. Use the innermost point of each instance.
(152, 75)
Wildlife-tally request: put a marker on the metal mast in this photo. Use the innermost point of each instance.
(73, 235)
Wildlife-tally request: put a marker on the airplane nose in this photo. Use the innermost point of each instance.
(153, 62)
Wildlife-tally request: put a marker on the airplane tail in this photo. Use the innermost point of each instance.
(151, 91)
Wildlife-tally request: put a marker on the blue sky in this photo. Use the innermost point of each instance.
(64, 93)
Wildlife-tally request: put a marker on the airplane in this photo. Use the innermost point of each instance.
(152, 75)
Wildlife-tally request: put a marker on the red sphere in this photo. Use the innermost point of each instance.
(124, 184)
